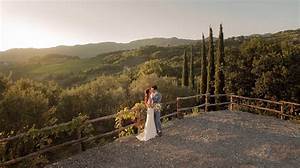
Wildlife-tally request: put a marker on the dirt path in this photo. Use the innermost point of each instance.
(215, 139)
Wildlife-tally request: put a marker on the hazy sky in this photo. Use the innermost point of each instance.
(47, 23)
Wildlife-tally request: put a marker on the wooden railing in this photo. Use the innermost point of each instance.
(287, 109)
(283, 109)
(204, 105)
(78, 141)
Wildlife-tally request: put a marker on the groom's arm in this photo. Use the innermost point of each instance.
(159, 97)
(155, 98)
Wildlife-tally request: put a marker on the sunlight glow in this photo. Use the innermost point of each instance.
(29, 35)
(48, 23)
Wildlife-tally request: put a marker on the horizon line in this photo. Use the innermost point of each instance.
(142, 38)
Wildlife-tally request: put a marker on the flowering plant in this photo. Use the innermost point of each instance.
(157, 107)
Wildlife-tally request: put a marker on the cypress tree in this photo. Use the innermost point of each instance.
(191, 76)
(210, 67)
(185, 80)
(219, 82)
(203, 78)
(211, 64)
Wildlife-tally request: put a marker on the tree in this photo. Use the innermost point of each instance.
(210, 66)
(192, 76)
(4, 83)
(153, 66)
(27, 103)
(203, 80)
(100, 97)
(166, 85)
(185, 75)
(219, 75)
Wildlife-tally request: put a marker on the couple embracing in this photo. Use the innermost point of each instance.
(153, 124)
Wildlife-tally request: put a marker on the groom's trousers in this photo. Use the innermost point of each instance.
(157, 121)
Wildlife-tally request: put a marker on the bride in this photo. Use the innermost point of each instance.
(150, 129)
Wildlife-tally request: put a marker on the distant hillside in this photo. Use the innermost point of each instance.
(69, 69)
(51, 59)
(88, 50)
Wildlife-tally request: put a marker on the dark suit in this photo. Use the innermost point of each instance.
(156, 99)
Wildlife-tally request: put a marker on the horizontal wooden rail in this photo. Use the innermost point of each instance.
(293, 107)
(168, 115)
(178, 113)
(286, 102)
(189, 97)
(26, 133)
(102, 118)
(218, 104)
(257, 99)
(203, 105)
(55, 126)
(169, 102)
(109, 133)
(258, 107)
(200, 95)
(189, 108)
(219, 95)
(79, 140)
(67, 123)
(83, 139)
(267, 109)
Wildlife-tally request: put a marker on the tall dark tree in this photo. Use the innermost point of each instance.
(219, 75)
(203, 77)
(185, 74)
(192, 76)
(211, 64)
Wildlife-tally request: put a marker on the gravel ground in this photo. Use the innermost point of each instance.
(215, 139)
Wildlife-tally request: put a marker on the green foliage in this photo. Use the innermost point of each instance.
(264, 68)
(89, 50)
(97, 98)
(167, 86)
(203, 80)
(4, 83)
(128, 116)
(36, 139)
(185, 74)
(191, 70)
(210, 66)
(153, 66)
(36, 101)
(239, 61)
(51, 59)
(256, 66)
(219, 74)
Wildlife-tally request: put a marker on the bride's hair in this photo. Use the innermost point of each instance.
(147, 95)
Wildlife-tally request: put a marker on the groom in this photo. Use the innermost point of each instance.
(156, 98)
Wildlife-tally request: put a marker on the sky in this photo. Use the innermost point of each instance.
(48, 23)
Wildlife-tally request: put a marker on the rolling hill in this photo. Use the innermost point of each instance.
(67, 68)
(88, 50)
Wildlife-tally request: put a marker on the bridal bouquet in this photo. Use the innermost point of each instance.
(157, 107)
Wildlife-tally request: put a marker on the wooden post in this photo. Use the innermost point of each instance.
(231, 103)
(179, 114)
(292, 110)
(207, 96)
(281, 110)
(79, 135)
(217, 101)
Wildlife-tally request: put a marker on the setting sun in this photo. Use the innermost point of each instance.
(29, 34)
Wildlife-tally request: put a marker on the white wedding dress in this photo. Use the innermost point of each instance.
(150, 129)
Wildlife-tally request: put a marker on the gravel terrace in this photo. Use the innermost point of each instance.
(215, 139)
